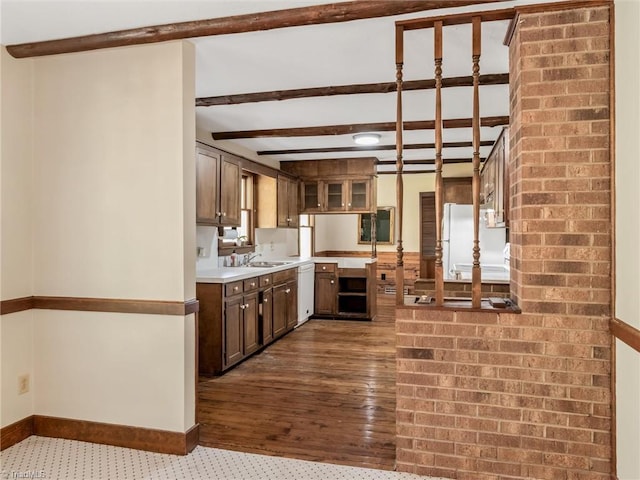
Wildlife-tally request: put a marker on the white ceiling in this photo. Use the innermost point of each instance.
(298, 57)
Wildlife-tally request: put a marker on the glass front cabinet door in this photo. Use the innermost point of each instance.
(359, 195)
(335, 195)
(312, 196)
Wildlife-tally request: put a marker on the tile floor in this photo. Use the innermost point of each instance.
(54, 458)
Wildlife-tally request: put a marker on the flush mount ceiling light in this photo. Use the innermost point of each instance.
(366, 138)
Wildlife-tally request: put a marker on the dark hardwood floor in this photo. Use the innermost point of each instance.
(325, 392)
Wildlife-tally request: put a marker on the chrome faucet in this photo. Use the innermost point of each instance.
(248, 257)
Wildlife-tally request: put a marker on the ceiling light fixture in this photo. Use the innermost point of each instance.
(366, 138)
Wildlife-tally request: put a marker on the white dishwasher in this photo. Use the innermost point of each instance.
(306, 287)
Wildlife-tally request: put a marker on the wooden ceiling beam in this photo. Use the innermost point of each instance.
(253, 22)
(412, 146)
(277, 95)
(357, 128)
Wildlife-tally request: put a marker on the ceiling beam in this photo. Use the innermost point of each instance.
(412, 146)
(258, 21)
(488, 79)
(357, 128)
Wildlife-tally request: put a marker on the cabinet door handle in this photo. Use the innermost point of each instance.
(252, 284)
(235, 289)
(324, 268)
(266, 280)
(287, 290)
(218, 214)
(266, 300)
(246, 305)
(332, 282)
(224, 214)
(242, 307)
(342, 204)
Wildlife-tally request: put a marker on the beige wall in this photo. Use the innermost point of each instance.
(627, 305)
(112, 216)
(16, 211)
(327, 226)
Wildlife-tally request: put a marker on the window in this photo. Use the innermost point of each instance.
(244, 234)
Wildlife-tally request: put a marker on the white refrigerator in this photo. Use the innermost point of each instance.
(457, 245)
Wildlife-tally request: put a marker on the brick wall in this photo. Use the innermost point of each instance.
(485, 395)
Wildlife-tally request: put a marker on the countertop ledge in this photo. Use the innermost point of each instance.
(233, 274)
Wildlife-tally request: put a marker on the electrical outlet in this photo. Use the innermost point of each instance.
(383, 276)
(23, 384)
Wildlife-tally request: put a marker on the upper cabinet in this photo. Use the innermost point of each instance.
(218, 178)
(276, 202)
(287, 202)
(335, 186)
(494, 179)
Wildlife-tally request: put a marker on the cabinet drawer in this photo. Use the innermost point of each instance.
(266, 281)
(326, 267)
(284, 276)
(250, 284)
(233, 288)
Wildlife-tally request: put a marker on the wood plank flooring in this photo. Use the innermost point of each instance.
(325, 392)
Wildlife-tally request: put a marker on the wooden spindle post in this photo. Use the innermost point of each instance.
(476, 275)
(399, 165)
(374, 235)
(439, 196)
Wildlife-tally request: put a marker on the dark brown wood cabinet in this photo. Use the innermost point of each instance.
(218, 179)
(285, 301)
(311, 196)
(239, 318)
(335, 186)
(266, 316)
(241, 333)
(346, 293)
(326, 289)
(233, 320)
(287, 202)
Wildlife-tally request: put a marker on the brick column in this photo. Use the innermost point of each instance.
(561, 175)
(486, 396)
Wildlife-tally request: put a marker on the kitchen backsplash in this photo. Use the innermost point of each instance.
(271, 244)
(276, 243)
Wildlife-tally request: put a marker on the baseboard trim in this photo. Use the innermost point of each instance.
(16, 432)
(138, 438)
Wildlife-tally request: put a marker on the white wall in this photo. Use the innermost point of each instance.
(340, 232)
(627, 302)
(16, 233)
(112, 216)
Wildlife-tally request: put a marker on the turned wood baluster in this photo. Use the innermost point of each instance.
(374, 235)
(399, 165)
(476, 277)
(439, 197)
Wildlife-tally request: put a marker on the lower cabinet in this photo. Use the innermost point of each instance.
(326, 291)
(345, 293)
(239, 318)
(285, 302)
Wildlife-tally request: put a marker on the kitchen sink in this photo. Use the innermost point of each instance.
(267, 264)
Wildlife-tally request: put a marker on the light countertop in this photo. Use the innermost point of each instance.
(232, 274)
